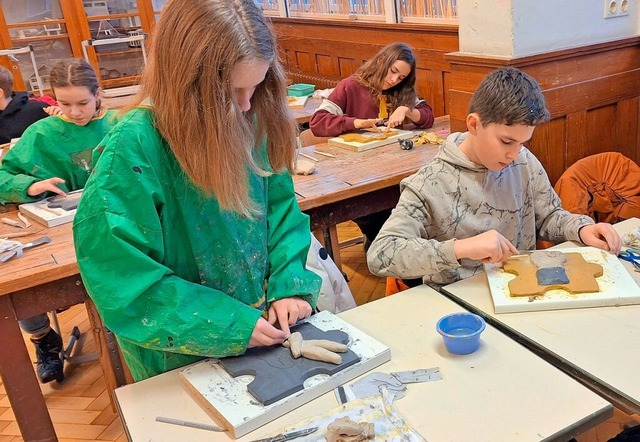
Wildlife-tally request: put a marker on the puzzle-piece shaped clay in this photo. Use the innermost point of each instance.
(277, 373)
(582, 276)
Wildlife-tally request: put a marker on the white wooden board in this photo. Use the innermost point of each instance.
(394, 136)
(617, 287)
(297, 102)
(228, 400)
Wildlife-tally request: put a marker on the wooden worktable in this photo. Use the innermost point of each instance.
(304, 115)
(44, 278)
(502, 392)
(358, 183)
(599, 346)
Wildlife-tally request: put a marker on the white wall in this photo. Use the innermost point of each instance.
(516, 28)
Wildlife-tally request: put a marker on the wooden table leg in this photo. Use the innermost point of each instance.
(116, 372)
(20, 382)
(328, 237)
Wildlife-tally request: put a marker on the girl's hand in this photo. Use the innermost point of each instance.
(287, 311)
(265, 334)
(52, 110)
(363, 124)
(398, 116)
(46, 186)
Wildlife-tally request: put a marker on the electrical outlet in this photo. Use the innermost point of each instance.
(625, 5)
(616, 8)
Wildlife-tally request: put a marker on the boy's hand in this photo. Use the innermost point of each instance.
(363, 124)
(46, 186)
(288, 311)
(265, 334)
(602, 236)
(487, 247)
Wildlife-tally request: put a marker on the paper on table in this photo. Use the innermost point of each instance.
(389, 425)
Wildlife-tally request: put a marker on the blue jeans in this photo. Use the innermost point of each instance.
(35, 324)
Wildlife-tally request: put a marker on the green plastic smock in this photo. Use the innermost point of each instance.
(173, 276)
(51, 147)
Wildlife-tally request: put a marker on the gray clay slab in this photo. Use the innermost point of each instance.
(552, 276)
(277, 373)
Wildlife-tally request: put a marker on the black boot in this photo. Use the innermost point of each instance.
(48, 349)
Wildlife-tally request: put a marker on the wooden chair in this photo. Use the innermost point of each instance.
(307, 138)
(605, 187)
(330, 234)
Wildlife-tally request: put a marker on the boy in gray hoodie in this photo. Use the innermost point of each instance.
(483, 197)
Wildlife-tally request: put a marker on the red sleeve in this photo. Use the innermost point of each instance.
(46, 99)
(353, 101)
(326, 124)
(426, 115)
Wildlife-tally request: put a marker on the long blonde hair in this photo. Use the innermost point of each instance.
(194, 49)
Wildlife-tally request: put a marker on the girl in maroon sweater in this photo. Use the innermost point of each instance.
(384, 84)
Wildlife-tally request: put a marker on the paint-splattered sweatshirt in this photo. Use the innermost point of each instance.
(173, 276)
(350, 100)
(452, 197)
(51, 147)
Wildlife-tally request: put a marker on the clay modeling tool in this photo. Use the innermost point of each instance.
(522, 253)
(325, 154)
(24, 219)
(288, 436)
(168, 420)
(17, 251)
(309, 157)
(48, 209)
(12, 222)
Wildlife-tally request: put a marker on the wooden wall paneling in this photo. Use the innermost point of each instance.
(458, 107)
(327, 65)
(305, 61)
(576, 145)
(601, 130)
(593, 94)
(548, 145)
(346, 66)
(628, 133)
(351, 44)
(446, 87)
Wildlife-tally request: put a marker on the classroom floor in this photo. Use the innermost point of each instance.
(80, 406)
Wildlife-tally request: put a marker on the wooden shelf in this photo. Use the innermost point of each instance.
(113, 53)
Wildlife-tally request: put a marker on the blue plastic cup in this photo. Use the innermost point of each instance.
(461, 332)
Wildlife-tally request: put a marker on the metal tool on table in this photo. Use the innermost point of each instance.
(632, 256)
(288, 436)
(15, 251)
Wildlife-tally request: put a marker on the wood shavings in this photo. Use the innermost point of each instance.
(25, 220)
(428, 138)
(632, 238)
